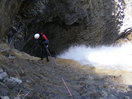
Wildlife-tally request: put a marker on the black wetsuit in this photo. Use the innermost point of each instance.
(44, 47)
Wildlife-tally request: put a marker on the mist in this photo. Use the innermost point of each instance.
(109, 57)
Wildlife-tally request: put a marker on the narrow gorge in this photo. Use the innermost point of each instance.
(90, 41)
(66, 23)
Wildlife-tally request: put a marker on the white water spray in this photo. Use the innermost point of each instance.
(108, 57)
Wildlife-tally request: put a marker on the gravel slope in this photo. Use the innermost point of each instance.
(42, 80)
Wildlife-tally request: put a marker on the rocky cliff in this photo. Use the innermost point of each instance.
(8, 11)
(65, 22)
(69, 22)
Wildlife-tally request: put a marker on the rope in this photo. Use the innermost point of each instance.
(67, 87)
(62, 77)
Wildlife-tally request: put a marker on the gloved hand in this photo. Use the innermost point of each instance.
(46, 46)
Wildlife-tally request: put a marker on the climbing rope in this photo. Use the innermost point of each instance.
(67, 87)
(61, 77)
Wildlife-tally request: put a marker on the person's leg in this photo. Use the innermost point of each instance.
(46, 53)
(42, 53)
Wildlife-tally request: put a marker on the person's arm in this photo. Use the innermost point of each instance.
(44, 36)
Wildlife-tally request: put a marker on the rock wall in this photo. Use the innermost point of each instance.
(8, 10)
(66, 23)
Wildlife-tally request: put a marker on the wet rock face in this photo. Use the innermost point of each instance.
(126, 36)
(66, 23)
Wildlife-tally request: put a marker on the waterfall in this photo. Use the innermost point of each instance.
(109, 57)
(127, 20)
(112, 57)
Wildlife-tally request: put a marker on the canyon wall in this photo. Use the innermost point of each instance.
(65, 22)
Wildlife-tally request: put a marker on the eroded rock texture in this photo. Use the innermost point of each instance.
(66, 22)
(8, 10)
